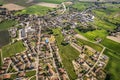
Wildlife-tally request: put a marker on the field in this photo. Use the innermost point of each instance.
(97, 47)
(51, 1)
(12, 49)
(12, 6)
(82, 5)
(0, 58)
(51, 5)
(67, 54)
(30, 73)
(18, 2)
(116, 39)
(7, 24)
(114, 46)
(26, 3)
(113, 67)
(91, 35)
(35, 9)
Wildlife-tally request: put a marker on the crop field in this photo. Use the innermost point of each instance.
(51, 1)
(7, 24)
(82, 5)
(67, 54)
(114, 46)
(12, 49)
(95, 34)
(12, 6)
(113, 67)
(35, 9)
(97, 47)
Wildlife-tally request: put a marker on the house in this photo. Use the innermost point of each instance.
(6, 76)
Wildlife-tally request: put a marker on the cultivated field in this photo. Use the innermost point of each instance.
(52, 5)
(117, 39)
(12, 6)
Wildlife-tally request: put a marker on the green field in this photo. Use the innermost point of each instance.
(91, 35)
(113, 67)
(35, 9)
(97, 47)
(114, 46)
(30, 73)
(82, 5)
(67, 54)
(7, 24)
(51, 1)
(0, 59)
(12, 49)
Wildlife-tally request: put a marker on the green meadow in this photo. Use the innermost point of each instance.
(67, 53)
(113, 67)
(7, 24)
(82, 5)
(12, 49)
(35, 9)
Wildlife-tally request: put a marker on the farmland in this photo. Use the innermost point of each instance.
(112, 68)
(12, 49)
(7, 24)
(67, 54)
(35, 9)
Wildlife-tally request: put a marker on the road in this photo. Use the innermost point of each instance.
(96, 61)
(54, 61)
(38, 50)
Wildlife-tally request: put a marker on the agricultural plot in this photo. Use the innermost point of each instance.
(51, 5)
(82, 6)
(114, 46)
(12, 49)
(7, 24)
(51, 1)
(91, 35)
(112, 68)
(67, 53)
(11, 7)
(36, 9)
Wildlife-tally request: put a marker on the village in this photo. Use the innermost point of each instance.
(42, 53)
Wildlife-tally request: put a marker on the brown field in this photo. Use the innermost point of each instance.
(48, 4)
(117, 38)
(12, 6)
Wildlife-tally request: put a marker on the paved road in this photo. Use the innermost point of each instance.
(38, 50)
(96, 61)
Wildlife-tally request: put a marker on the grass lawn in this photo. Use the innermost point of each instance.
(67, 54)
(12, 49)
(30, 73)
(111, 45)
(113, 67)
(7, 24)
(35, 9)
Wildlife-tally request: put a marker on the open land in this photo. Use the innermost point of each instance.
(12, 6)
(48, 4)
